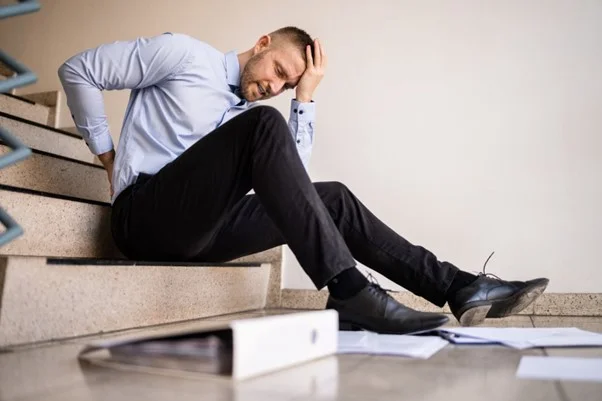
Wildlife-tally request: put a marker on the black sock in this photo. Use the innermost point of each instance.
(461, 280)
(347, 284)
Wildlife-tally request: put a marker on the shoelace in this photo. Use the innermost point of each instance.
(375, 283)
(483, 273)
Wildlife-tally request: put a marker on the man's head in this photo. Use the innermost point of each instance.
(274, 64)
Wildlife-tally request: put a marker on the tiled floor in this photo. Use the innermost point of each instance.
(52, 372)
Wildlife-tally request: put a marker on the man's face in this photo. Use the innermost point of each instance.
(271, 71)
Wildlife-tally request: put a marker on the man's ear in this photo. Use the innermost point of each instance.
(263, 43)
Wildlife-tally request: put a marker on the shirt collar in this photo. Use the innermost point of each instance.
(233, 69)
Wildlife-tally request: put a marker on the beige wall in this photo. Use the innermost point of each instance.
(468, 126)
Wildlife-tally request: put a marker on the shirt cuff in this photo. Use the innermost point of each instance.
(303, 112)
(101, 144)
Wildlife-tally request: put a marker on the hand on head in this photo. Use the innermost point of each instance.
(314, 72)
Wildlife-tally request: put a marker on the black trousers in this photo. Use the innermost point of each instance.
(196, 208)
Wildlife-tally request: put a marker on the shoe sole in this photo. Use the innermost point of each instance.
(476, 312)
(474, 315)
(349, 326)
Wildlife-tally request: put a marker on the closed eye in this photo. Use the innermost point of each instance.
(282, 75)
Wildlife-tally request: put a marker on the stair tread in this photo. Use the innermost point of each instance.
(39, 125)
(60, 157)
(17, 97)
(47, 139)
(66, 229)
(26, 109)
(36, 192)
(57, 226)
(41, 302)
(47, 174)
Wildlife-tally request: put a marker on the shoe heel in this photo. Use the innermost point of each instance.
(346, 326)
(474, 316)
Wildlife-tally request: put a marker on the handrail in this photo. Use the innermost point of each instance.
(24, 77)
(20, 151)
(24, 7)
(13, 229)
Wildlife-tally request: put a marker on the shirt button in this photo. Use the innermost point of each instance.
(300, 111)
(298, 140)
(295, 110)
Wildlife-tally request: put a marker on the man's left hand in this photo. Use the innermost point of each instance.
(314, 72)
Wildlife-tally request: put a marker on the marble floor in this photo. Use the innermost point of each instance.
(52, 372)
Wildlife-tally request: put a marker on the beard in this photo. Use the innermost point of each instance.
(247, 77)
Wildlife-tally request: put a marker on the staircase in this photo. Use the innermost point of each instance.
(64, 277)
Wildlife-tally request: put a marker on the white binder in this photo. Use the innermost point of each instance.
(259, 345)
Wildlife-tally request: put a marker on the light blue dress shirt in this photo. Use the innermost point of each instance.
(181, 90)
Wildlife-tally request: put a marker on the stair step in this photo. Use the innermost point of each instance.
(47, 139)
(54, 100)
(71, 130)
(44, 299)
(24, 108)
(58, 225)
(58, 175)
(74, 131)
(66, 227)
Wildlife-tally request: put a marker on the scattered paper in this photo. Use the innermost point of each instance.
(365, 342)
(560, 368)
(522, 338)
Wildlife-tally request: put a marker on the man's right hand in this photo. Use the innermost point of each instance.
(107, 159)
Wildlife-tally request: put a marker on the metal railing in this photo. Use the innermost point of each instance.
(23, 77)
(22, 7)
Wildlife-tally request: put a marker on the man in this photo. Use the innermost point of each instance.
(194, 142)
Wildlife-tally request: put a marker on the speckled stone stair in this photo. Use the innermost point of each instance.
(57, 175)
(45, 299)
(58, 225)
(56, 103)
(47, 139)
(24, 108)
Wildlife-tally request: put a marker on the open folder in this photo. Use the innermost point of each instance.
(239, 349)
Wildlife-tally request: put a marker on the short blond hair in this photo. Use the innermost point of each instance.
(296, 36)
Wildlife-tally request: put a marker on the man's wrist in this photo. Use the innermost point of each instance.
(107, 158)
(303, 98)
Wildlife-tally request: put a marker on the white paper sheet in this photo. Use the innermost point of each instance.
(523, 338)
(560, 368)
(364, 342)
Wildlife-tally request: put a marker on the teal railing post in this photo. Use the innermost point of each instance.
(23, 77)
(22, 7)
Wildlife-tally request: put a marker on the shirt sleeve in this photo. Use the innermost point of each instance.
(132, 64)
(301, 124)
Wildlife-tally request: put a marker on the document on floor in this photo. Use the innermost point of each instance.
(365, 342)
(522, 338)
(560, 368)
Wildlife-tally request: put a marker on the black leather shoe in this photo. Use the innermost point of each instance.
(494, 298)
(374, 310)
